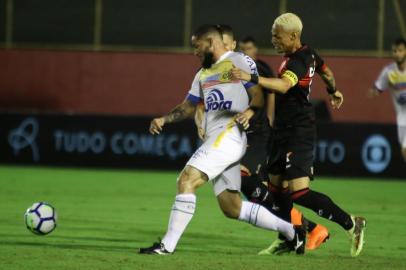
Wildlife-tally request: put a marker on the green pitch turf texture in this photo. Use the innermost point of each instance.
(105, 216)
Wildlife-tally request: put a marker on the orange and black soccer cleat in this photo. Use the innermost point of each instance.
(316, 237)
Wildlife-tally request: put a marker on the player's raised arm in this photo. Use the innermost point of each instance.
(336, 97)
(181, 112)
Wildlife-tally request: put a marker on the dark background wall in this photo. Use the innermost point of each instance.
(338, 24)
(151, 84)
(2, 20)
(53, 21)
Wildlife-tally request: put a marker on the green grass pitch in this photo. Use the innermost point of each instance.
(105, 216)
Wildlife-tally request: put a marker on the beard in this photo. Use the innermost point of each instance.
(401, 61)
(207, 60)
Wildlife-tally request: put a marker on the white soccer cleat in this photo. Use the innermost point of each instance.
(356, 235)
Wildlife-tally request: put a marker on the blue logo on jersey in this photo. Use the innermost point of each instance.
(402, 99)
(215, 101)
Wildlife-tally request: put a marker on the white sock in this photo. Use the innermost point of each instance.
(181, 214)
(259, 216)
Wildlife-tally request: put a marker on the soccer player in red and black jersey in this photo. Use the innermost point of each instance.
(253, 164)
(291, 159)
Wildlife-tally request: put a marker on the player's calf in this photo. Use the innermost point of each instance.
(230, 203)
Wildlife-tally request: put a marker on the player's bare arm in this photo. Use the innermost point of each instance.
(257, 101)
(181, 112)
(336, 97)
(373, 92)
(199, 120)
(278, 85)
(270, 108)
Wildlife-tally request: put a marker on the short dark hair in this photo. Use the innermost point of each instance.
(400, 41)
(226, 29)
(206, 29)
(249, 39)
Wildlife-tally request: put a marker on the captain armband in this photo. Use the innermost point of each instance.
(291, 76)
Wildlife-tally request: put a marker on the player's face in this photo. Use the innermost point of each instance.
(282, 40)
(249, 49)
(399, 53)
(229, 42)
(202, 50)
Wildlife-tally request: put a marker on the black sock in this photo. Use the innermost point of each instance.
(310, 224)
(282, 201)
(255, 191)
(323, 206)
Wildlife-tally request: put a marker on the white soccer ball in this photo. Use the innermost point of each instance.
(40, 218)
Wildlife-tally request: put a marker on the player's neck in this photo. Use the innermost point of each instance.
(296, 47)
(402, 65)
(217, 54)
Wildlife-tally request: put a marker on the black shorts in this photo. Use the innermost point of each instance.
(255, 158)
(291, 154)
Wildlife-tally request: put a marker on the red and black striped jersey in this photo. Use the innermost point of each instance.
(299, 67)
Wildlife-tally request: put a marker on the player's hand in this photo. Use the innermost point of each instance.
(238, 74)
(336, 99)
(200, 133)
(244, 118)
(372, 92)
(156, 125)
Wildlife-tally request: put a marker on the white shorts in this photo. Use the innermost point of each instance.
(219, 158)
(402, 135)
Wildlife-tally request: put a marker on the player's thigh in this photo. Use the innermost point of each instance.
(256, 154)
(229, 179)
(277, 181)
(190, 179)
(300, 153)
(277, 157)
(230, 203)
(298, 184)
(219, 152)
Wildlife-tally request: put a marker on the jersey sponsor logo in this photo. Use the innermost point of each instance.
(215, 101)
(251, 64)
(219, 73)
(401, 99)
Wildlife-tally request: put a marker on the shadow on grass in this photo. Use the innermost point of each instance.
(137, 237)
(72, 246)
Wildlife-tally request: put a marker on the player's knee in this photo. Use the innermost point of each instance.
(186, 183)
